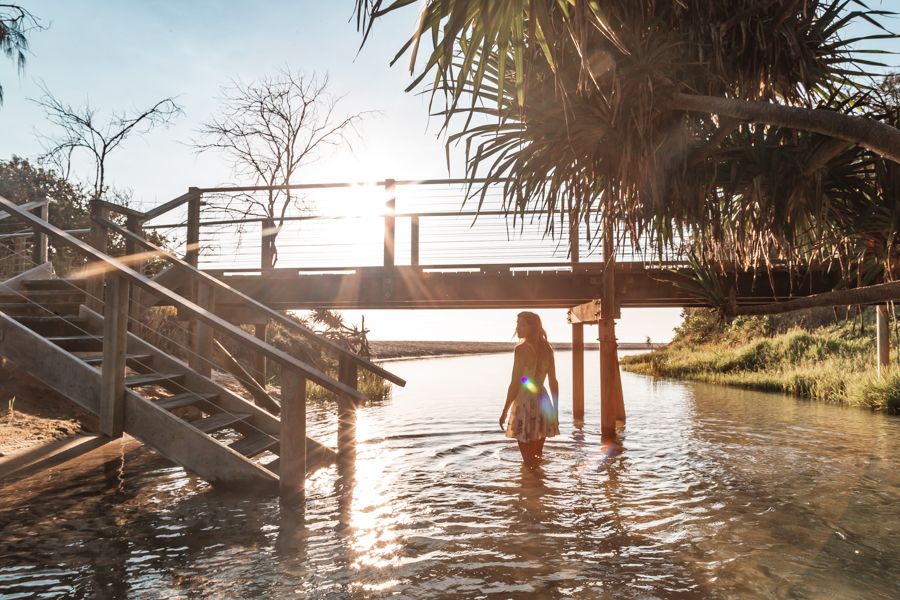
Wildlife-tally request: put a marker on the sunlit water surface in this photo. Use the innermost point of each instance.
(715, 493)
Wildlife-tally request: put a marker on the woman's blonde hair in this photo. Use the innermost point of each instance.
(537, 336)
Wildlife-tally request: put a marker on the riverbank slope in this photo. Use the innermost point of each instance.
(821, 354)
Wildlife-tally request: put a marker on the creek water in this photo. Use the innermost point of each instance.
(712, 493)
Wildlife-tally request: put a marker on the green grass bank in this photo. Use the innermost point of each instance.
(821, 354)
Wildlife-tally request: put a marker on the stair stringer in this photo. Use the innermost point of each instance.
(47, 362)
(316, 453)
(174, 438)
(41, 271)
(184, 444)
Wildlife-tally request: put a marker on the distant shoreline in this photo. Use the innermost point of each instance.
(389, 349)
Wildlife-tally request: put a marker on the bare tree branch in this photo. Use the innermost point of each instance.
(271, 128)
(79, 132)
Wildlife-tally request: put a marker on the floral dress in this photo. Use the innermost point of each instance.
(533, 415)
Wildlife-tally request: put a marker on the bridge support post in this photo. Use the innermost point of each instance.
(292, 461)
(612, 405)
(883, 338)
(578, 372)
(112, 378)
(609, 366)
(346, 443)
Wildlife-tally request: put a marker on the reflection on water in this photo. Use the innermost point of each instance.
(711, 492)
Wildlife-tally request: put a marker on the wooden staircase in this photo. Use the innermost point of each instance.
(207, 429)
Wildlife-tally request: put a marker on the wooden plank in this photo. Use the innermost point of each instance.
(20, 281)
(578, 371)
(112, 378)
(587, 313)
(77, 343)
(882, 337)
(152, 379)
(252, 445)
(317, 454)
(189, 447)
(389, 223)
(219, 421)
(49, 363)
(36, 459)
(346, 434)
(202, 339)
(40, 250)
(224, 292)
(230, 363)
(185, 399)
(170, 205)
(198, 312)
(131, 213)
(292, 457)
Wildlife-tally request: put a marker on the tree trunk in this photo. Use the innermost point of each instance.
(878, 137)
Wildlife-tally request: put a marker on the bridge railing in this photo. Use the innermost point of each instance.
(426, 224)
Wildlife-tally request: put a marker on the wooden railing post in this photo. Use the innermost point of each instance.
(115, 330)
(40, 251)
(346, 443)
(574, 241)
(98, 239)
(201, 336)
(202, 340)
(292, 457)
(883, 337)
(192, 252)
(414, 241)
(390, 191)
(135, 309)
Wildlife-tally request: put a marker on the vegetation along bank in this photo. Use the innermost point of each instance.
(823, 354)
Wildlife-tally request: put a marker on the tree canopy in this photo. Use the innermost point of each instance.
(752, 130)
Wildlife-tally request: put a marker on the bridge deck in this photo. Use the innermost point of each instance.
(492, 287)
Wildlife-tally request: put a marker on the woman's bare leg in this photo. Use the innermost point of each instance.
(528, 456)
(539, 448)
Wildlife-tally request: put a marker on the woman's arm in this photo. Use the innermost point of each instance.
(554, 384)
(520, 357)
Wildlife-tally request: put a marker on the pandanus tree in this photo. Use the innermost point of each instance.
(747, 127)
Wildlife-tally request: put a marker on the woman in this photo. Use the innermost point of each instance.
(533, 414)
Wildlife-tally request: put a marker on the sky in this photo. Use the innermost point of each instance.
(128, 54)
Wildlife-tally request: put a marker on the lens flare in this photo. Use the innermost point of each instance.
(529, 385)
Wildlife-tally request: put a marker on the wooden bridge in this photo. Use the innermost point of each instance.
(244, 253)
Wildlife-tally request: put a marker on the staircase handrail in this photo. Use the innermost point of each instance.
(259, 307)
(198, 312)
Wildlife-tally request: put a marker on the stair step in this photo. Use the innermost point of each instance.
(54, 324)
(185, 399)
(141, 360)
(54, 284)
(41, 296)
(274, 466)
(77, 343)
(219, 421)
(254, 444)
(21, 309)
(152, 379)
